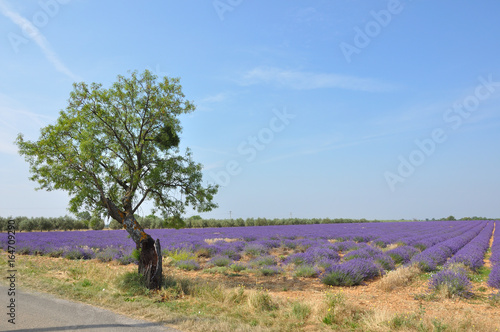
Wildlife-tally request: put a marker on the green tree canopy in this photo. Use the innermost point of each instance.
(113, 149)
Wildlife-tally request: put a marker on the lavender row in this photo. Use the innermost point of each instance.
(472, 254)
(494, 279)
(495, 248)
(438, 254)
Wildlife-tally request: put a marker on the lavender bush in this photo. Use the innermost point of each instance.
(452, 281)
(351, 273)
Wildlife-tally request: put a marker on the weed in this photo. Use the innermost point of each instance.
(237, 267)
(439, 325)
(179, 255)
(132, 284)
(220, 261)
(262, 301)
(301, 311)
(86, 283)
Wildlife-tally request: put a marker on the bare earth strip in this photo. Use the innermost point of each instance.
(487, 257)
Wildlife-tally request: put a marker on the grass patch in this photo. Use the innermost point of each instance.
(217, 269)
(131, 284)
(262, 301)
(301, 311)
(306, 271)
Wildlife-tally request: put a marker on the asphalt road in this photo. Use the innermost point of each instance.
(44, 312)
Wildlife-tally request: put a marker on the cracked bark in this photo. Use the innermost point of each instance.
(150, 260)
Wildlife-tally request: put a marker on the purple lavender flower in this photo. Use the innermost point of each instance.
(494, 279)
(351, 273)
(454, 281)
(403, 254)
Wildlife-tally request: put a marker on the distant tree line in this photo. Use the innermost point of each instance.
(84, 221)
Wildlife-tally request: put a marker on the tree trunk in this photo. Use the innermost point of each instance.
(150, 263)
(150, 258)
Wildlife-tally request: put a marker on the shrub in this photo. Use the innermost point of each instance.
(403, 254)
(351, 273)
(306, 271)
(109, 254)
(179, 255)
(187, 265)
(77, 253)
(237, 267)
(270, 270)
(451, 283)
(220, 261)
(255, 249)
(263, 261)
(55, 253)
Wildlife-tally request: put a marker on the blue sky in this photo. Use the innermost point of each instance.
(340, 109)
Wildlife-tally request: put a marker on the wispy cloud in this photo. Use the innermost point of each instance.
(303, 80)
(220, 97)
(35, 35)
(14, 119)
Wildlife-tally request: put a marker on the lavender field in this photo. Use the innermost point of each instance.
(339, 254)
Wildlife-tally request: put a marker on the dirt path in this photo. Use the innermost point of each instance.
(487, 262)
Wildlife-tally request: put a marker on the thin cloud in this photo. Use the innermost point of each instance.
(35, 34)
(220, 97)
(302, 80)
(14, 119)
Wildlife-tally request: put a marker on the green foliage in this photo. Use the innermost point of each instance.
(179, 255)
(334, 303)
(120, 144)
(306, 271)
(132, 284)
(83, 216)
(237, 267)
(136, 253)
(221, 261)
(175, 222)
(301, 311)
(96, 223)
(113, 224)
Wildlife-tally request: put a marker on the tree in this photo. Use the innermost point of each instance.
(113, 149)
(96, 223)
(115, 224)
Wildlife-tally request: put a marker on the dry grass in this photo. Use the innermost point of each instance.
(212, 241)
(398, 278)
